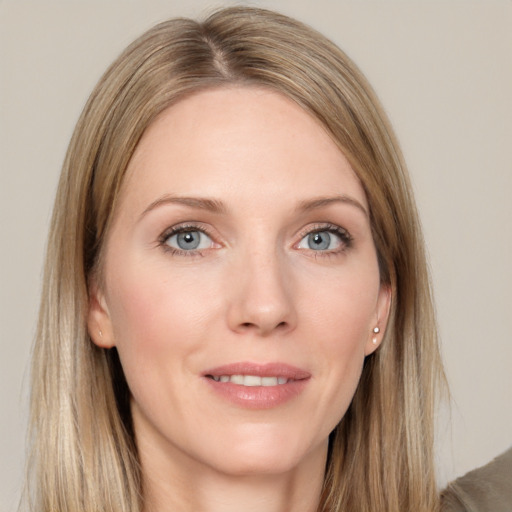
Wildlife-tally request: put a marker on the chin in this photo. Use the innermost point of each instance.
(243, 465)
(266, 456)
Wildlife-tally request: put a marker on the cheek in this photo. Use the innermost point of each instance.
(340, 322)
(150, 307)
(156, 326)
(343, 310)
(160, 325)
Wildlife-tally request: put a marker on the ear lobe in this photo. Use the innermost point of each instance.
(377, 331)
(98, 318)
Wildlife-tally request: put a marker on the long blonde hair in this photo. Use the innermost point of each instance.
(84, 456)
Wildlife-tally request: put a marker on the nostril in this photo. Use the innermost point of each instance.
(252, 325)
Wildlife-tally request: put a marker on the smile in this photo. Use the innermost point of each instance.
(250, 380)
(255, 385)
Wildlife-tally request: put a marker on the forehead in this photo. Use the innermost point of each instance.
(248, 141)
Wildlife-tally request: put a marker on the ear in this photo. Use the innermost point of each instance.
(99, 324)
(381, 320)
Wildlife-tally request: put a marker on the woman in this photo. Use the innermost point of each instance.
(237, 309)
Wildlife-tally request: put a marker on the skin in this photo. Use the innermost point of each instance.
(253, 291)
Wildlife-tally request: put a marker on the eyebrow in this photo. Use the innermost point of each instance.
(211, 205)
(322, 202)
(215, 206)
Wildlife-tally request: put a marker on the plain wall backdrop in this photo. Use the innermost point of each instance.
(443, 71)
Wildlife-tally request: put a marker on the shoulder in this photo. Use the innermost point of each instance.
(486, 489)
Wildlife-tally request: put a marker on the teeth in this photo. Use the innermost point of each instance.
(250, 380)
(237, 379)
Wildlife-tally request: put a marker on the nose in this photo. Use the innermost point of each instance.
(261, 298)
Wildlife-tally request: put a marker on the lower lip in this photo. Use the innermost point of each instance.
(258, 397)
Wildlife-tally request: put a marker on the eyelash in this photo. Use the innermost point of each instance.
(176, 230)
(344, 236)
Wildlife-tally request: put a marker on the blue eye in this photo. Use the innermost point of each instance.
(331, 239)
(189, 240)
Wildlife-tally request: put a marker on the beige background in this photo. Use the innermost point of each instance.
(444, 73)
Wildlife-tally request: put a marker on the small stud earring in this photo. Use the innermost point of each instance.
(101, 334)
(376, 330)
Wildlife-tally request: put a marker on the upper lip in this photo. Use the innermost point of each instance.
(259, 369)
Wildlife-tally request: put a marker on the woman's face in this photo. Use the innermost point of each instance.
(241, 284)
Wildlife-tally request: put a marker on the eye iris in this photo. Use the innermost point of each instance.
(319, 241)
(189, 240)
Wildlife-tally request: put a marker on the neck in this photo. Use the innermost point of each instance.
(179, 484)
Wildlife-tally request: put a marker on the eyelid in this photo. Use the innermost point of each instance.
(184, 228)
(344, 235)
(322, 226)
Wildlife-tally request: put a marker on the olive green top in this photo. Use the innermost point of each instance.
(486, 489)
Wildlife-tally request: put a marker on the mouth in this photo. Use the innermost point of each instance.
(257, 386)
(257, 374)
(250, 380)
